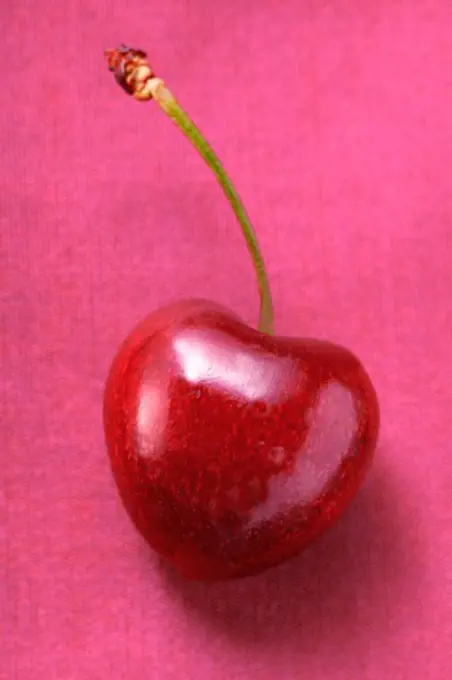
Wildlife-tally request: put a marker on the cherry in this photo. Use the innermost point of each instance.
(232, 449)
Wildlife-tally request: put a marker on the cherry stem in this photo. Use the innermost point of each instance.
(135, 75)
(186, 125)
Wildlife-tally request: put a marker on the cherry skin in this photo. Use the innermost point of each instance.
(232, 450)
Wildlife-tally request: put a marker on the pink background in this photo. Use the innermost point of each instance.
(334, 120)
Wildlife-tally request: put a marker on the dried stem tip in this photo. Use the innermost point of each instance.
(131, 70)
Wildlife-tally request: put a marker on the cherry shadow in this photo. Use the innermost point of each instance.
(349, 579)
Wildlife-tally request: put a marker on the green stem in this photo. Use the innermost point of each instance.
(169, 104)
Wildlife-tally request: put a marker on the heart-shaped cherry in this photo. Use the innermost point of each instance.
(231, 448)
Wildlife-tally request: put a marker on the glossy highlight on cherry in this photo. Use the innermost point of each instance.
(231, 448)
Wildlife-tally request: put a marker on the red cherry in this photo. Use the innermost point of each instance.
(233, 449)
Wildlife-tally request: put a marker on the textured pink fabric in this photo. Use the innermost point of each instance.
(334, 120)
